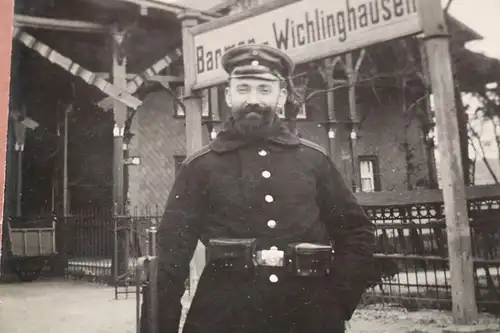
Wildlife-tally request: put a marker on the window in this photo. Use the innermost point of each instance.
(369, 173)
(178, 159)
(300, 84)
(205, 102)
(300, 115)
(179, 111)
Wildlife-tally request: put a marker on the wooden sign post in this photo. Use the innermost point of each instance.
(194, 132)
(310, 30)
(436, 45)
(119, 74)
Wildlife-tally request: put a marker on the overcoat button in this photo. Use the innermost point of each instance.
(273, 278)
(271, 224)
(269, 198)
(262, 152)
(266, 174)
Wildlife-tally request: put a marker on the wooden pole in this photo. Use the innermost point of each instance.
(65, 164)
(436, 43)
(19, 179)
(119, 74)
(214, 112)
(329, 69)
(194, 138)
(20, 133)
(351, 76)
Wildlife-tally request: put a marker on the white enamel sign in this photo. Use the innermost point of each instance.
(306, 30)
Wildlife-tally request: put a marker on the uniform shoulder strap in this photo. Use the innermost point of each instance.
(313, 145)
(206, 149)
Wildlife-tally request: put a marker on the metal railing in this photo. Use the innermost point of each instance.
(146, 290)
(411, 246)
(87, 241)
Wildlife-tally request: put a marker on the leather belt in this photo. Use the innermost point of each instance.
(298, 259)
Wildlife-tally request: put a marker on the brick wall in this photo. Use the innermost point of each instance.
(159, 137)
(382, 133)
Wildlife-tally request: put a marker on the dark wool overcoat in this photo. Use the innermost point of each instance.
(280, 190)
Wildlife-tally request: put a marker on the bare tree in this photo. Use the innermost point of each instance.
(480, 141)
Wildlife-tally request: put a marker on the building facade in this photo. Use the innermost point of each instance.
(389, 151)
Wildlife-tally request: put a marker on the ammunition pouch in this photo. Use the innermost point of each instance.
(306, 259)
(231, 253)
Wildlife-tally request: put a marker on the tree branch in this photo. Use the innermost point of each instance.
(485, 160)
(447, 7)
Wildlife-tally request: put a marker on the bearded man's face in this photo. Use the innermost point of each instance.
(254, 102)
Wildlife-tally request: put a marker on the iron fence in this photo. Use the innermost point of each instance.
(87, 244)
(411, 245)
(132, 245)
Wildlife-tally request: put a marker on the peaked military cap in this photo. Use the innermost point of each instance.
(257, 61)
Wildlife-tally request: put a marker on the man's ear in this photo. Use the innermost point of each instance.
(227, 94)
(282, 98)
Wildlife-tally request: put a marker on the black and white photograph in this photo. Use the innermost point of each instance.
(251, 166)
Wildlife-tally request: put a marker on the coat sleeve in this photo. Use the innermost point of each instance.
(352, 234)
(178, 235)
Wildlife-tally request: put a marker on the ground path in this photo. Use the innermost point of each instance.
(49, 306)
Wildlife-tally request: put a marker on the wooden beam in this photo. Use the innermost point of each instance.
(115, 92)
(164, 62)
(175, 9)
(107, 76)
(166, 79)
(107, 103)
(25, 21)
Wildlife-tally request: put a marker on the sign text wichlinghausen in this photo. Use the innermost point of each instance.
(307, 30)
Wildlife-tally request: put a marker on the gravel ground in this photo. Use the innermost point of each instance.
(63, 307)
(48, 306)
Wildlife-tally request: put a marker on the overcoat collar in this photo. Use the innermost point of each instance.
(229, 139)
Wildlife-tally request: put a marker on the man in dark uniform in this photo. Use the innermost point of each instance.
(288, 247)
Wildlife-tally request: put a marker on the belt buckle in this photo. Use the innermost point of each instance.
(272, 257)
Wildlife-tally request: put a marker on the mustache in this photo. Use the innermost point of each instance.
(260, 109)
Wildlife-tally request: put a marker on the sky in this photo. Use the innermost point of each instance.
(482, 16)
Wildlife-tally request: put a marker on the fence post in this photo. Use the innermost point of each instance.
(62, 235)
(152, 241)
(150, 292)
(121, 248)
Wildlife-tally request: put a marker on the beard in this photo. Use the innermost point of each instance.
(254, 121)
